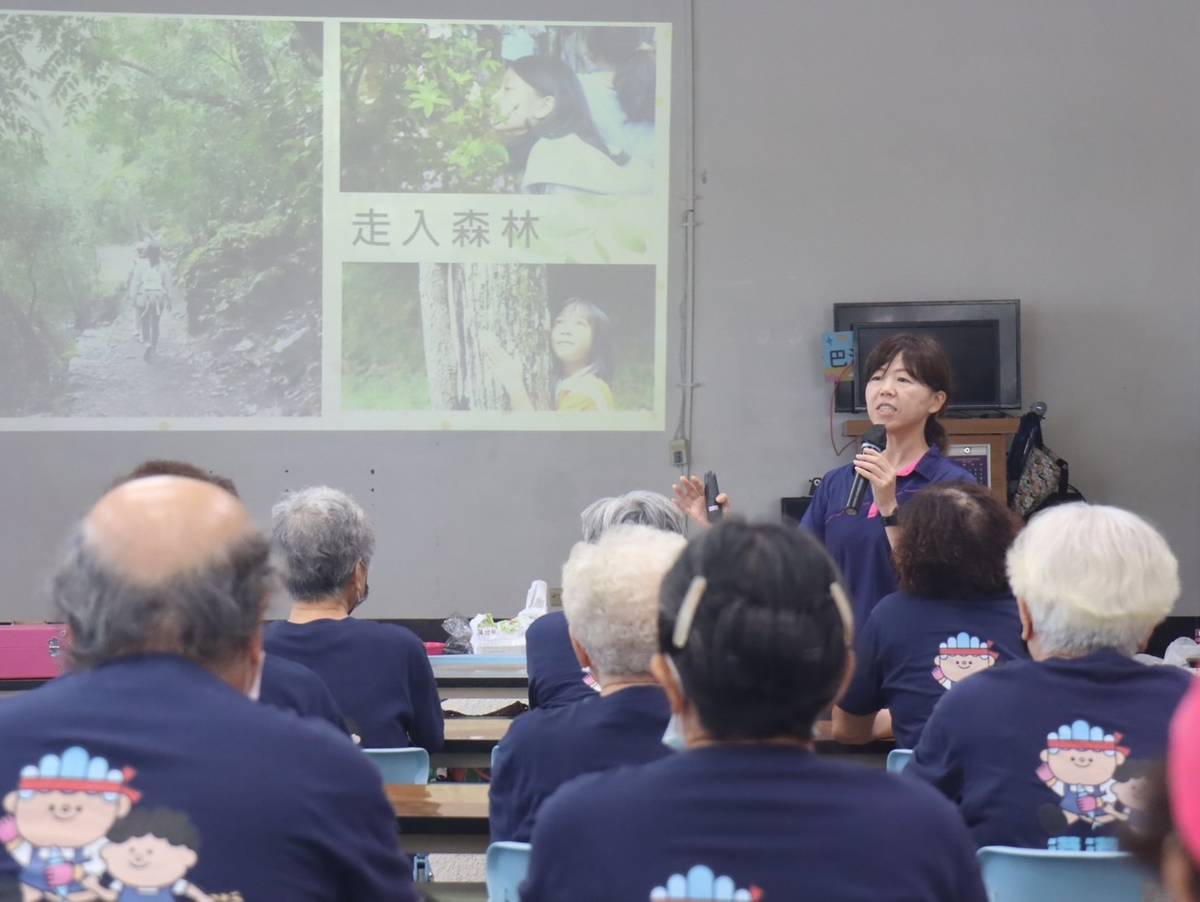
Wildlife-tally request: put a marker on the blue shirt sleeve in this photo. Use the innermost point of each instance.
(865, 693)
(937, 757)
(428, 726)
(818, 511)
(505, 808)
(560, 858)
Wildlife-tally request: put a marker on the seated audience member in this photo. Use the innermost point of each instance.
(610, 597)
(1043, 753)
(953, 617)
(379, 673)
(153, 737)
(1167, 836)
(754, 641)
(554, 674)
(283, 684)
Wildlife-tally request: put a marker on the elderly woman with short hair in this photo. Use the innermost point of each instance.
(554, 675)
(379, 673)
(610, 597)
(1051, 753)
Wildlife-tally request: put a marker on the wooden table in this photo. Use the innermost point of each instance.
(469, 741)
(441, 817)
(480, 676)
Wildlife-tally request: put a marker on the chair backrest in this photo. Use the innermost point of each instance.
(898, 759)
(1017, 875)
(507, 865)
(401, 767)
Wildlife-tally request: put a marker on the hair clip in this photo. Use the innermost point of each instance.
(842, 603)
(687, 612)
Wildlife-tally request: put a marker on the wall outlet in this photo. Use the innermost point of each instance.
(679, 452)
(554, 597)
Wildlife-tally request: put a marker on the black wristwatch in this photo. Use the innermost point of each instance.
(892, 519)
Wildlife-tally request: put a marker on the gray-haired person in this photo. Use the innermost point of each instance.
(379, 673)
(162, 590)
(555, 677)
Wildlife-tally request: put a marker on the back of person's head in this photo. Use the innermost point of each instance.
(638, 507)
(321, 534)
(551, 77)
(758, 627)
(1167, 838)
(953, 540)
(927, 362)
(610, 596)
(164, 565)
(1092, 577)
(163, 467)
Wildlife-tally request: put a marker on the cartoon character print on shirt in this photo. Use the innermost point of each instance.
(1096, 782)
(56, 821)
(961, 656)
(700, 883)
(74, 827)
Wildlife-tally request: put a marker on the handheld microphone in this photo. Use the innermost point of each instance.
(710, 497)
(875, 437)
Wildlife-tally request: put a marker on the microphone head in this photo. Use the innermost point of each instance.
(875, 436)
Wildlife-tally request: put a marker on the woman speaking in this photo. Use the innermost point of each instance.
(908, 387)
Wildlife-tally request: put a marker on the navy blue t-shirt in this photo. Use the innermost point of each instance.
(913, 650)
(1051, 754)
(545, 748)
(154, 754)
(379, 675)
(555, 677)
(750, 822)
(859, 545)
(293, 687)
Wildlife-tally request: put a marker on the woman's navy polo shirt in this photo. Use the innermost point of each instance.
(913, 650)
(859, 545)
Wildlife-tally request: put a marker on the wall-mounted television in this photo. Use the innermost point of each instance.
(982, 339)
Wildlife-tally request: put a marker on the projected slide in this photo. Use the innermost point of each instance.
(247, 223)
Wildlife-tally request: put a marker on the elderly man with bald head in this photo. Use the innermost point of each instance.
(163, 589)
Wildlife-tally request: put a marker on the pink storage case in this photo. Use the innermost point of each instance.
(31, 651)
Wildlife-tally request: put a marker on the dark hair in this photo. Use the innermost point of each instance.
(601, 356)
(767, 649)
(177, 468)
(208, 615)
(620, 47)
(926, 362)
(173, 826)
(953, 540)
(1146, 841)
(551, 77)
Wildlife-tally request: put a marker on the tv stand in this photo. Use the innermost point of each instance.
(996, 433)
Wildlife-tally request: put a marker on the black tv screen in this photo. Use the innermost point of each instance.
(1006, 313)
(973, 347)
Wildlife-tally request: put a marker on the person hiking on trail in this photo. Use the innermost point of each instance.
(151, 292)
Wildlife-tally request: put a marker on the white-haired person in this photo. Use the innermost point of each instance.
(1052, 752)
(610, 597)
(379, 673)
(555, 677)
(754, 641)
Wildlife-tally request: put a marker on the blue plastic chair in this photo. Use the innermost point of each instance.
(1019, 875)
(401, 767)
(507, 865)
(898, 759)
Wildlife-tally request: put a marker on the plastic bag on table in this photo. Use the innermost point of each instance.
(459, 631)
(507, 637)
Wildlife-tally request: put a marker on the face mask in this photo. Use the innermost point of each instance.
(673, 737)
(256, 684)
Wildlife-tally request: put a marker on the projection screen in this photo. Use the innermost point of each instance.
(311, 223)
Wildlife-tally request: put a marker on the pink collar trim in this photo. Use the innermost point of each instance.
(873, 511)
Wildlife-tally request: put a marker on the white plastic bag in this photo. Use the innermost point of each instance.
(1182, 652)
(507, 637)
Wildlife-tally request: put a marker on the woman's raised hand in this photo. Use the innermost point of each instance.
(689, 498)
